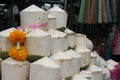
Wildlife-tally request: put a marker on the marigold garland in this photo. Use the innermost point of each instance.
(17, 36)
(18, 52)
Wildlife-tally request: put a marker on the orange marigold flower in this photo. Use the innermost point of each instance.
(21, 54)
(17, 36)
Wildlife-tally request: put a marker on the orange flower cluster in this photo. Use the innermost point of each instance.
(17, 36)
(18, 54)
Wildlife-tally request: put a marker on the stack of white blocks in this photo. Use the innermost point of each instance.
(58, 62)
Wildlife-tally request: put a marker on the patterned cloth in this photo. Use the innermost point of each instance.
(99, 11)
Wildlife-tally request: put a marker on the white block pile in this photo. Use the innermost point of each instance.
(59, 62)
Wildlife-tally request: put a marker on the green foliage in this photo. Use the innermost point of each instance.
(33, 58)
(4, 55)
(62, 29)
(68, 78)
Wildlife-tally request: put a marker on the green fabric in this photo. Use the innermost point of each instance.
(104, 13)
(80, 28)
(99, 11)
(82, 11)
(88, 10)
(85, 28)
(114, 10)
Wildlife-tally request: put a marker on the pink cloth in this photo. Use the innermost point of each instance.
(39, 26)
(115, 73)
(116, 42)
(34, 26)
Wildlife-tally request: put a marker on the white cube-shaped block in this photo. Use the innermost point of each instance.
(93, 58)
(86, 74)
(96, 71)
(76, 60)
(15, 70)
(33, 15)
(61, 16)
(103, 78)
(111, 62)
(59, 41)
(97, 58)
(78, 77)
(89, 44)
(5, 43)
(38, 42)
(111, 65)
(85, 53)
(71, 38)
(65, 62)
(51, 22)
(100, 61)
(45, 69)
(106, 74)
(83, 41)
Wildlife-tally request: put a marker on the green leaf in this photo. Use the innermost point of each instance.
(73, 48)
(62, 29)
(4, 55)
(33, 58)
(68, 78)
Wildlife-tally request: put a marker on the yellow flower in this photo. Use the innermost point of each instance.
(17, 36)
(21, 54)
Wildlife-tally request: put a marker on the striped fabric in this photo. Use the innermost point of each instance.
(99, 11)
